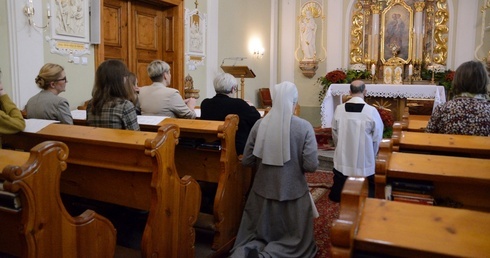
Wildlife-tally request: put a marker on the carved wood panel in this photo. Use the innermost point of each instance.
(147, 41)
(140, 31)
(115, 30)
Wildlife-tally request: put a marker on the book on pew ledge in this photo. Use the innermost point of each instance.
(409, 197)
(412, 186)
(10, 200)
(216, 146)
(190, 142)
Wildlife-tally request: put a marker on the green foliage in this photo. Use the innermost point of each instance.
(339, 76)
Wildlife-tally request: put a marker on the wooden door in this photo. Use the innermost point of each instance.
(146, 39)
(138, 32)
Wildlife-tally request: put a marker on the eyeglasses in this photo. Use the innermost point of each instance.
(62, 79)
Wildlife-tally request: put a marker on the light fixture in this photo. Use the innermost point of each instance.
(29, 12)
(258, 53)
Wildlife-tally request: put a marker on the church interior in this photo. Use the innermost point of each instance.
(406, 52)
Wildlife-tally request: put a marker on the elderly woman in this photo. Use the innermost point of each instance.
(160, 100)
(469, 111)
(278, 217)
(47, 104)
(223, 104)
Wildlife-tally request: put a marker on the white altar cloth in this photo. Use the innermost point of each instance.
(334, 94)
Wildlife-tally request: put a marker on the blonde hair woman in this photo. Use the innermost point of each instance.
(47, 104)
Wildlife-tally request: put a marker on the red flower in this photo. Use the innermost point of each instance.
(450, 76)
(387, 118)
(336, 76)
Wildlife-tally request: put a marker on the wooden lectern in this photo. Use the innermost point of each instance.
(241, 72)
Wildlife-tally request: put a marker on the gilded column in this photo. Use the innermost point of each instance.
(418, 37)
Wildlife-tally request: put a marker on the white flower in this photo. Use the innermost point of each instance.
(358, 67)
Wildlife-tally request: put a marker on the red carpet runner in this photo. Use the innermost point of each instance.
(320, 183)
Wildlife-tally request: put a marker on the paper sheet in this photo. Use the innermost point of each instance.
(79, 114)
(35, 125)
(151, 120)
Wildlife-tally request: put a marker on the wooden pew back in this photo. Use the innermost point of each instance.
(42, 227)
(134, 169)
(377, 227)
(216, 166)
(462, 179)
(461, 145)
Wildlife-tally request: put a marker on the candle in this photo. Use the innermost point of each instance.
(373, 69)
(48, 8)
(410, 69)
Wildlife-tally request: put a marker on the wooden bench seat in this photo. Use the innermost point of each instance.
(451, 144)
(381, 228)
(414, 123)
(133, 169)
(42, 227)
(462, 179)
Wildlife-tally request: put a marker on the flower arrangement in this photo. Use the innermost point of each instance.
(340, 76)
(441, 76)
(387, 118)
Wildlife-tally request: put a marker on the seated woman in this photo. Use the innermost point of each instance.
(47, 104)
(113, 96)
(11, 120)
(160, 100)
(468, 112)
(223, 104)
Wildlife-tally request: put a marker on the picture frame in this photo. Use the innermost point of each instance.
(195, 38)
(396, 28)
(70, 20)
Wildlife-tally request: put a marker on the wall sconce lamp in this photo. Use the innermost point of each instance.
(258, 53)
(29, 12)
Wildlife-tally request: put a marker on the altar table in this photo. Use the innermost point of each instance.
(334, 94)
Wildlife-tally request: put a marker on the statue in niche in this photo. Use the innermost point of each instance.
(308, 36)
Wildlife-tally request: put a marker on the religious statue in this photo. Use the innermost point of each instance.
(308, 36)
(189, 90)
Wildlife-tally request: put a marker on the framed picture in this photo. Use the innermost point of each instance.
(195, 38)
(70, 20)
(396, 27)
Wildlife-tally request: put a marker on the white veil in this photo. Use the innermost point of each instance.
(272, 142)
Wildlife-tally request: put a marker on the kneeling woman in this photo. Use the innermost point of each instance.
(278, 218)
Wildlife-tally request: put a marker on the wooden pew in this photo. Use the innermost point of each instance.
(133, 169)
(42, 227)
(462, 179)
(381, 228)
(216, 166)
(414, 123)
(451, 144)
